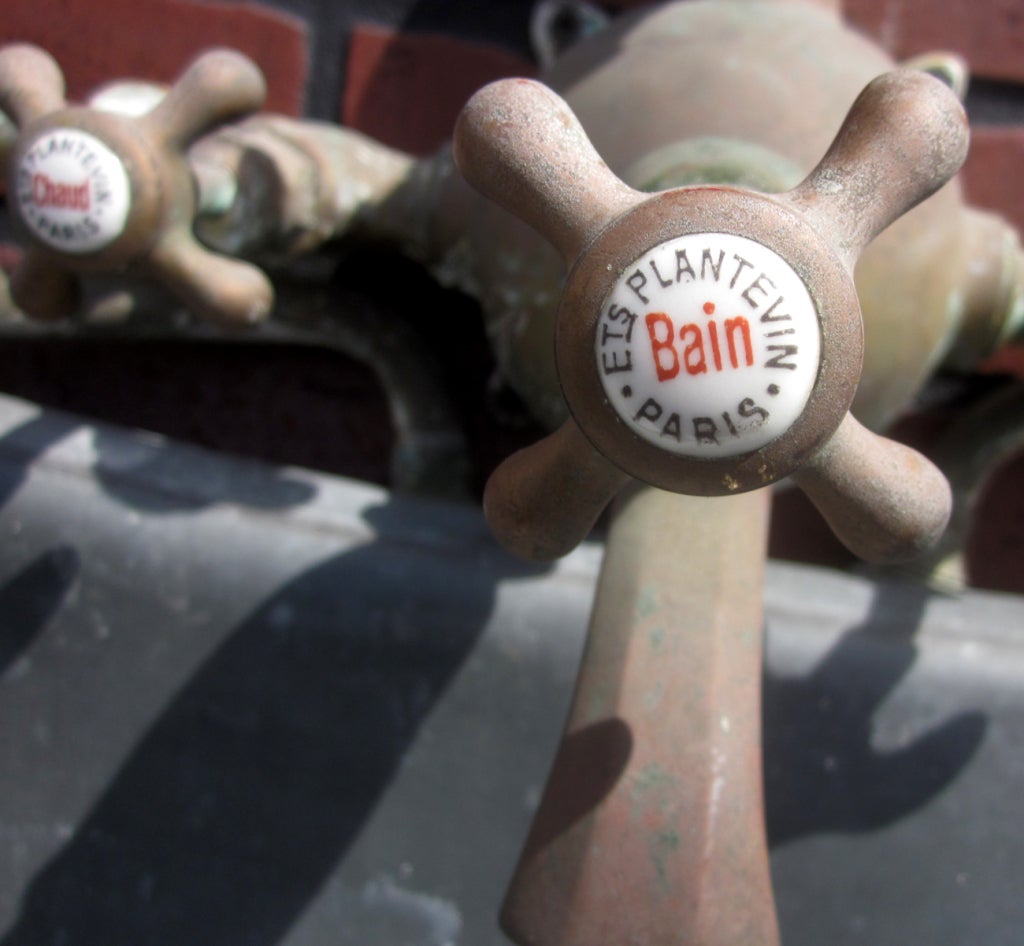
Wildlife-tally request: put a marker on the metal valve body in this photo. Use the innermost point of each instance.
(746, 92)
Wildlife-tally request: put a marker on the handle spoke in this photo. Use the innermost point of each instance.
(519, 144)
(216, 287)
(904, 137)
(218, 86)
(884, 501)
(544, 500)
(31, 83)
(43, 290)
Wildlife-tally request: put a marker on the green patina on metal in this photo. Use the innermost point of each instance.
(663, 846)
(647, 602)
(651, 785)
(657, 638)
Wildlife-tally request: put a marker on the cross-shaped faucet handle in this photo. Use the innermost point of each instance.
(102, 192)
(709, 339)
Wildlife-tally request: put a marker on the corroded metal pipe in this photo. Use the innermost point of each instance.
(651, 828)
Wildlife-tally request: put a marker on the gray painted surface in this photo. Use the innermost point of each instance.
(248, 706)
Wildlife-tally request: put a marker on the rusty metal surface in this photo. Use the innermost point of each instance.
(155, 237)
(541, 507)
(885, 501)
(904, 136)
(651, 828)
(517, 143)
(282, 189)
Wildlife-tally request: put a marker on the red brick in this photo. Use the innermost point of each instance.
(156, 39)
(406, 90)
(989, 34)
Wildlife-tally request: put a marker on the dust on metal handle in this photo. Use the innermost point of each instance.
(102, 192)
(628, 252)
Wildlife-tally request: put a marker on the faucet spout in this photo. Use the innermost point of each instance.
(651, 828)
